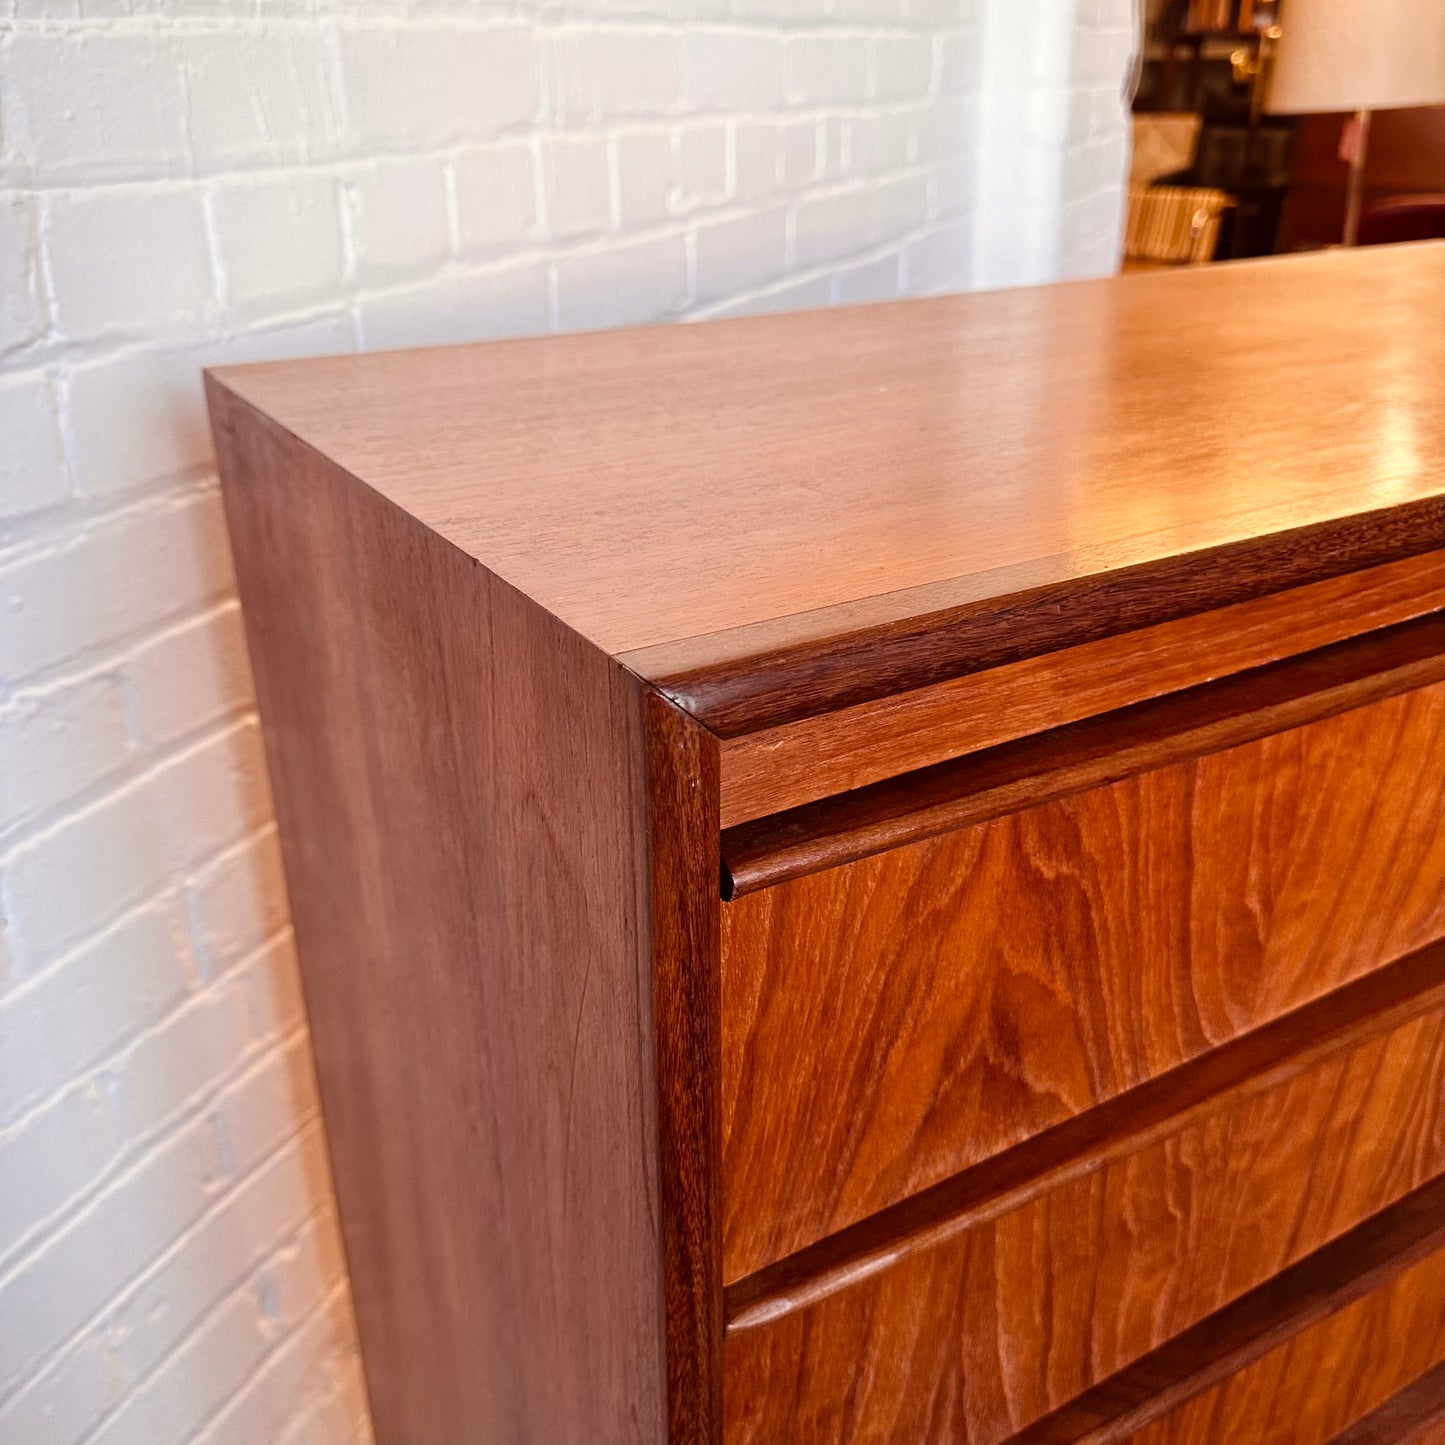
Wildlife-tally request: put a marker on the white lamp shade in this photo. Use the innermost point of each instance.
(1358, 55)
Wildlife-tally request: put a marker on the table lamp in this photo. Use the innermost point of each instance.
(1360, 56)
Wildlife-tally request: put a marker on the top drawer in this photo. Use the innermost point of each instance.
(889, 1022)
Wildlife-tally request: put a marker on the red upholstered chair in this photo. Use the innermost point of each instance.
(1403, 218)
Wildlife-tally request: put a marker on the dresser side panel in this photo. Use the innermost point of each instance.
(460, 789)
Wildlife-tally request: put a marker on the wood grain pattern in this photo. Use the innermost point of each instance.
(1321, 1381)
(1223, 1078)
(1292, 1361)
(1414, 1416)
(469, 893)
(892, 1022)
(1079, 1038)
(1088, 754)
(977, 1339)
(780, 768)
(682, 768)
(782, 515)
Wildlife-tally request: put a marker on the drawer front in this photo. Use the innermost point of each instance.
(893, 1021)
(1313, 1388)
(976, 1337)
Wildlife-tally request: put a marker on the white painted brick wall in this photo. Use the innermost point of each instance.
(197, 181)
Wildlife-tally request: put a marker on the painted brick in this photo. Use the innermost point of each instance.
(879, 142)
(643, 172)
(875, 280)
(791, 296)
(730, 71)
(123, 259)
(266, 1405)
(58, 742)
(602, 75)
(827, 69)
(32, 472)
(622, 286)
(702, 166)
(939, 259)
(496, 197)
(236, 902)
(399, 216)
(22, 311)
(757, 152)
(864, 215)
(81, 873)
(212, 794)
(95, 105)
(437, 83)
(87, 1004)
(800, 155)
(174, 1064)
(58, 1151)
(578, 185)
(960, 60)
(156, 1312)
(135, 418)
(740, 254)
(279, 240)
(82, 594)
(466, 306)
(258, 97)
(258, 1113)
(270, 982)
(902, 67)
(186, 677)
(228, 1346)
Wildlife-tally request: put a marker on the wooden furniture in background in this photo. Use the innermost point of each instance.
(876, 875)
(1406, 157)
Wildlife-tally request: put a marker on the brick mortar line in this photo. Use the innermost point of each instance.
(146, 1030)
(333, 1295)
(48, 353)
(320, 1213)
(141, 1150)
(308, 1129)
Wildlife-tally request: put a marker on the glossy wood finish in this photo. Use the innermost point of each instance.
(682, 849)
(978, 1338)
(785, 767)
(1221, 1079)
(1321, 1381)
(1292, 1361)
(1414, 1416)
(1074, 698)
(778, 516)
(1083, 755)
(478, 968)
(896, 1020)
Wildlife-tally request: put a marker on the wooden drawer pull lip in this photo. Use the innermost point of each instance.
(1404, 1417)
(1083, 755)
(753, 685)
(1340, 1021)
(1221, 1344)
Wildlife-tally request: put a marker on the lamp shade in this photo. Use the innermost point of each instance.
(1358, 55)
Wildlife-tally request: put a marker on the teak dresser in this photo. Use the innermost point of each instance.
(877, 876)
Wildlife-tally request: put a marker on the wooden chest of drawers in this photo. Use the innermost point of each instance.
(877, 876)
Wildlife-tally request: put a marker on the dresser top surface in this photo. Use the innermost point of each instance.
(695, 496)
